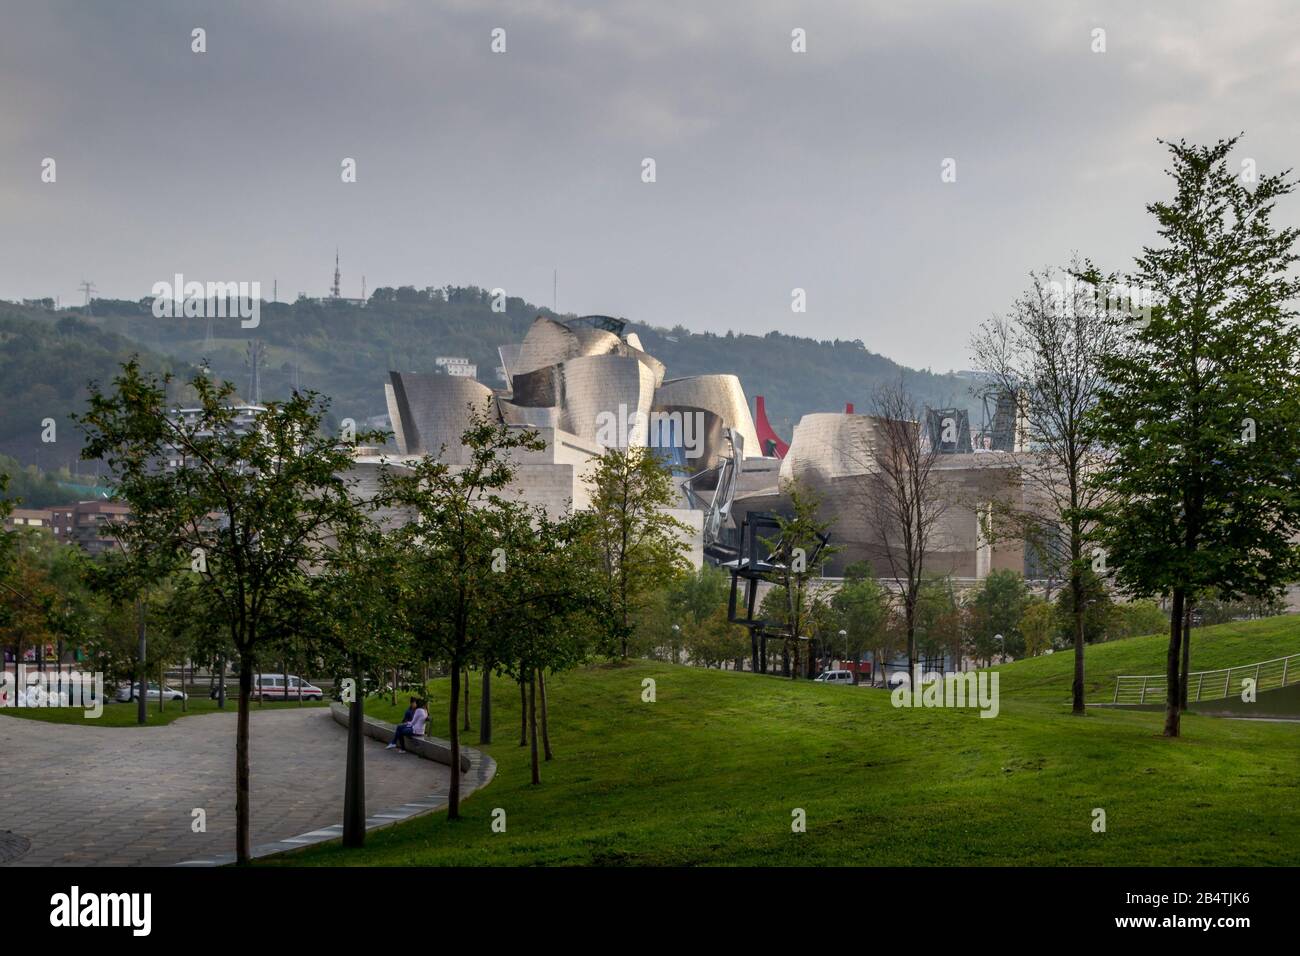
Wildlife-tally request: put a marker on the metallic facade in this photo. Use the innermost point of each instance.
(431, 412)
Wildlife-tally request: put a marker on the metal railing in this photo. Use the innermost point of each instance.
(1210, 685)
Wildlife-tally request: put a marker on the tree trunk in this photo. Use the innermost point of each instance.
(1172, 693)
(221, 684)
(546, 729)
(523, 711)
(1187, 654)
(467, 726)
(485, 707)
(453, 791)
(141, 711)
(354, 785)
(1076, 589)
(185, 700)
(162, 673)
(532, 725)
(243, 833)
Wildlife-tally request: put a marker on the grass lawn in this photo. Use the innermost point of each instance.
(123, 715)
(711, 772)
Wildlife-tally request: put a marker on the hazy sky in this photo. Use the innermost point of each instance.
(775, 170)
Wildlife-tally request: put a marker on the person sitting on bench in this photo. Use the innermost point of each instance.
(412, 728)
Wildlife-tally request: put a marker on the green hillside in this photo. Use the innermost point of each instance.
(345, 351)
(46, 361)
(1224, 645)
(711, 772)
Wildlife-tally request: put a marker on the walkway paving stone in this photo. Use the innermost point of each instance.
(126, 795)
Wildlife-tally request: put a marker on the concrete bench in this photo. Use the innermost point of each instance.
(430, 748)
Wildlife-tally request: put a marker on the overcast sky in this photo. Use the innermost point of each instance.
(775, 169)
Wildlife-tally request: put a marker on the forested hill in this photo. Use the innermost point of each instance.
(47, 359)
(344, 350)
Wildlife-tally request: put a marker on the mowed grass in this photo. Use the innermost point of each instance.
(711, 772)
(124, 715)
(1225, 645)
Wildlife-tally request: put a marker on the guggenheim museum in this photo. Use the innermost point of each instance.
(587, 384)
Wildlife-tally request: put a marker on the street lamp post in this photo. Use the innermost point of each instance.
(1003, 642)
(677, 630)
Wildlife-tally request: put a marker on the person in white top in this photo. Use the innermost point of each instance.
(412, 728)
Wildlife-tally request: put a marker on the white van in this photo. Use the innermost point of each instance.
(834, 677)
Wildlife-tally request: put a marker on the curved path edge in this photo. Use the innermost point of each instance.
(477, 767)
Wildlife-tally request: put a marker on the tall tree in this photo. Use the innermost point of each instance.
(354, 622)
(1201, 405)
(461, 524)
(248, 500)
(903, 497)
(1048, 352)
(640, 547)
(548, 596)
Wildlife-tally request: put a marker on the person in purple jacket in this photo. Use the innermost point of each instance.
(412, 728)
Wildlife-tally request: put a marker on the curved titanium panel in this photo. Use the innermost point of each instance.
(719, 394)
(435, 410)
(549, 342)
(591, 389)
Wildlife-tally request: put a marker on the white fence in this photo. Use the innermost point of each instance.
(1210, 685)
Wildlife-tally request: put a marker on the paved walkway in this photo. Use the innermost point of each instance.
(124, 796)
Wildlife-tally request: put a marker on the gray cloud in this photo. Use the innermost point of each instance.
(775, 170)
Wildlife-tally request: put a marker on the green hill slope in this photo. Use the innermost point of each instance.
(1223, 645)
(711, 773)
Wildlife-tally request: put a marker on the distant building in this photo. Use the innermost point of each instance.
(83, 524)
(29, 518)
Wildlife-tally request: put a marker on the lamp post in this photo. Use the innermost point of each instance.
(677, 630)
(1003, 641)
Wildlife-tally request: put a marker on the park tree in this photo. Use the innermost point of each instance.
(996, 607)
(462, 520)
(1048, 352)
(354, 626)
(8, 543)
(27, 601)
(1199, 408)
(1037, 626)
(902, 496)
(940, 619)
(862, 611)
(798, 553)
(639, 546)
(248, 505)
(547, 603)
(1135, 618)
(1096, 611)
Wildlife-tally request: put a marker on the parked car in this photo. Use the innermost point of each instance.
(125, 693)
(834, 677)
